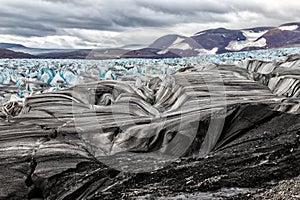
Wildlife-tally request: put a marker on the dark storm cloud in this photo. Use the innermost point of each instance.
(44, 17)
(48, 16)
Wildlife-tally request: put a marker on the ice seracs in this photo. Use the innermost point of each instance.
(110, 75)
(57, 80)
(27, 77)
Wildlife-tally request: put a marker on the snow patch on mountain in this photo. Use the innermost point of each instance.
(178, 40)
(209, 52)
(178, 44)
(200, 33)
(289, 28)
(239, 45)
(181, 46)
(163, 52)
(253, 36)
(251, 41)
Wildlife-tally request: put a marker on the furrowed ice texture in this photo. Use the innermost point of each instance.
(46, 149)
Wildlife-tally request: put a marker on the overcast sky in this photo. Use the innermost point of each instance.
(116, 23)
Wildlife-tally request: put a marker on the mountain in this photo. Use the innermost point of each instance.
(75, 54)
(166, 41)
(9, 45)
(87, 54)
(284, 35)
(212, 41)
(222, 40)
(5, 53)
(218, 40)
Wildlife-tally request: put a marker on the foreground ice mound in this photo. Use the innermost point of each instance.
(193, 111)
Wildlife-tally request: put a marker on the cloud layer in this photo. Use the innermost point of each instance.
(113, 23)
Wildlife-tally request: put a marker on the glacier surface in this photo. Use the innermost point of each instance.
(20, 78)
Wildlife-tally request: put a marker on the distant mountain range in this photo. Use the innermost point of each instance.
(212, 41)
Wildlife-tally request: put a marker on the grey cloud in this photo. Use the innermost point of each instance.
(106, 15)
(52, 17)
(184, 8)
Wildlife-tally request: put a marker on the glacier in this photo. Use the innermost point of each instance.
(208, 122)
(20, 78)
